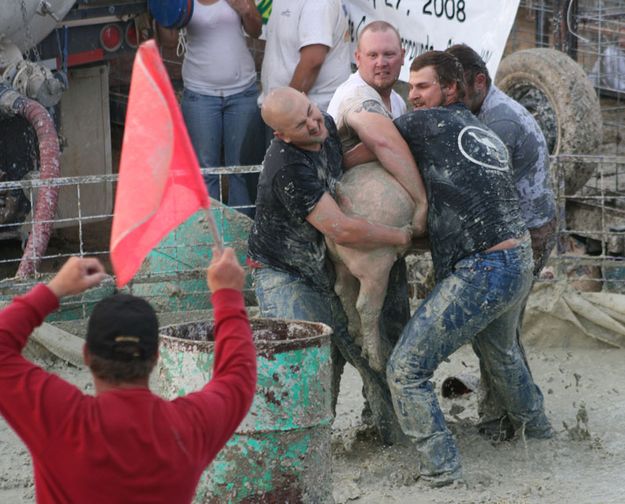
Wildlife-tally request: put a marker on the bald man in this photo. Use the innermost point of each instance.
(295, 208)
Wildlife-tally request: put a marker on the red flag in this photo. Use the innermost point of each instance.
(160, 184)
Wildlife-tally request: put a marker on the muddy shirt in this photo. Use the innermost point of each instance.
(472, 202)
(529, 155)
(291, 184)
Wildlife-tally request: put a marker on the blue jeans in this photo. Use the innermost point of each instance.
(479, 303)
(491, 412)
(218, 125)
(289, 296)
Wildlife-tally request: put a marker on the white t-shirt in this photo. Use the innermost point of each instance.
(351, 95)
(217, 61)
(294, 24)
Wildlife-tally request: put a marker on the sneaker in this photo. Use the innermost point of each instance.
(442, 479)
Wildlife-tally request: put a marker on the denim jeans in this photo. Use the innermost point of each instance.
(479, 303)
(218, 128)
(289, 296)
(490, 411)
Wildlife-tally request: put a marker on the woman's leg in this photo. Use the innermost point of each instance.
(204, 119)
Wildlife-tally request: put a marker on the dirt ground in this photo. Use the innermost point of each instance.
(585, 398)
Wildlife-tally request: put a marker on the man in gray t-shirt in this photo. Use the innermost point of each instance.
(529, 157)
(526, 145)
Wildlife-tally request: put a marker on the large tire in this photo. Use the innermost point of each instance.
(555, 89)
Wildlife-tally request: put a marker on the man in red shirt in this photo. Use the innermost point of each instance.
(126, 444)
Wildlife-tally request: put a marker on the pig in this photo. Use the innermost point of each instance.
(368, 191)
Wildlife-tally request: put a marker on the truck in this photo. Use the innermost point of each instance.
(59, 61)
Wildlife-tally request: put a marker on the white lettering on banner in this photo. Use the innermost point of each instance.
(436, 24)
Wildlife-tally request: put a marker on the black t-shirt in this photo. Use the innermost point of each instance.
(473, 204)
(291, 184)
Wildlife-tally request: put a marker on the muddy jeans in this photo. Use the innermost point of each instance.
(490, 410)
(479, 303)
(289, 296)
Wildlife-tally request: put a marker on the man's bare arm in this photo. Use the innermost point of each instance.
(358, 154)
(381, 137)
(311, 58)
(355, 232)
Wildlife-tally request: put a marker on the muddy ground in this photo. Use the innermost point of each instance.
(585, 398)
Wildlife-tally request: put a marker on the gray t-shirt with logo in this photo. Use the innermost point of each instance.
(529, 155)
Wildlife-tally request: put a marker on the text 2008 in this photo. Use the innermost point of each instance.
(451, 9)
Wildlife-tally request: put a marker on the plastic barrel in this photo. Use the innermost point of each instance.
(281, 451)
(171, 13)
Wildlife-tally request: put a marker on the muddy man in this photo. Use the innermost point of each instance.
(483, 266)
(295, 211)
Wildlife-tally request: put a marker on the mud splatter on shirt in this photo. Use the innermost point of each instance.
(291, 184)
(529, 155)
(473, 204)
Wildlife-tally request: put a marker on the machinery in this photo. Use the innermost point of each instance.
(55, 58)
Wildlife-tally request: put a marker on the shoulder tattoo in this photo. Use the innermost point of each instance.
(371, 106)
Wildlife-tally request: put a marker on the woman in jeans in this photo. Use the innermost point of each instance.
(220, 91)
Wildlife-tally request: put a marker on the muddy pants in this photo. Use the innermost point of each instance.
(490, 410)
(480, 303)
(289, 296)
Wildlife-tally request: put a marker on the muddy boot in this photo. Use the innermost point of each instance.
(497, 429)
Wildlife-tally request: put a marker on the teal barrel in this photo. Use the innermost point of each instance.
(173, 277)
(281, 451)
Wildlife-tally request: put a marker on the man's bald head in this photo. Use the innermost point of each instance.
(278, 104)
(378, 26)
(294, 118)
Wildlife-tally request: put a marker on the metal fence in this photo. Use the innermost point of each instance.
(592, 32)
(591, 227)
(590, 254)
(171, 280)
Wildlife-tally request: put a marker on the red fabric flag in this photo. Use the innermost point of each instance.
(160, 184)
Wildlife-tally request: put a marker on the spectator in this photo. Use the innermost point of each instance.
(307, 49)
(220, 90)
(126, 444)
(608, 72)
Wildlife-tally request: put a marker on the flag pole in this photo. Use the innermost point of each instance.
(212, 227)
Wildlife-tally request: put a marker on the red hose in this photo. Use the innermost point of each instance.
(47, 199)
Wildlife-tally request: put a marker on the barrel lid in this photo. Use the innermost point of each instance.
(171, 13)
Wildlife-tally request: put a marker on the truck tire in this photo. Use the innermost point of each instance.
(556, 91)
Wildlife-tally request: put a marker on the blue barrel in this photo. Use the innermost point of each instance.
(281, 451)
(171, 13)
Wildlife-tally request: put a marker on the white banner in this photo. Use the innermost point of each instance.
(436, 24)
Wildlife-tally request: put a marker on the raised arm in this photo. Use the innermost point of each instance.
(355, 232)
(227, 398)
(250, 17)
(380, 136)
(34, 402)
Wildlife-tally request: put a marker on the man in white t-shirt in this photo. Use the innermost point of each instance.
(307, 49)
(363, 108)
